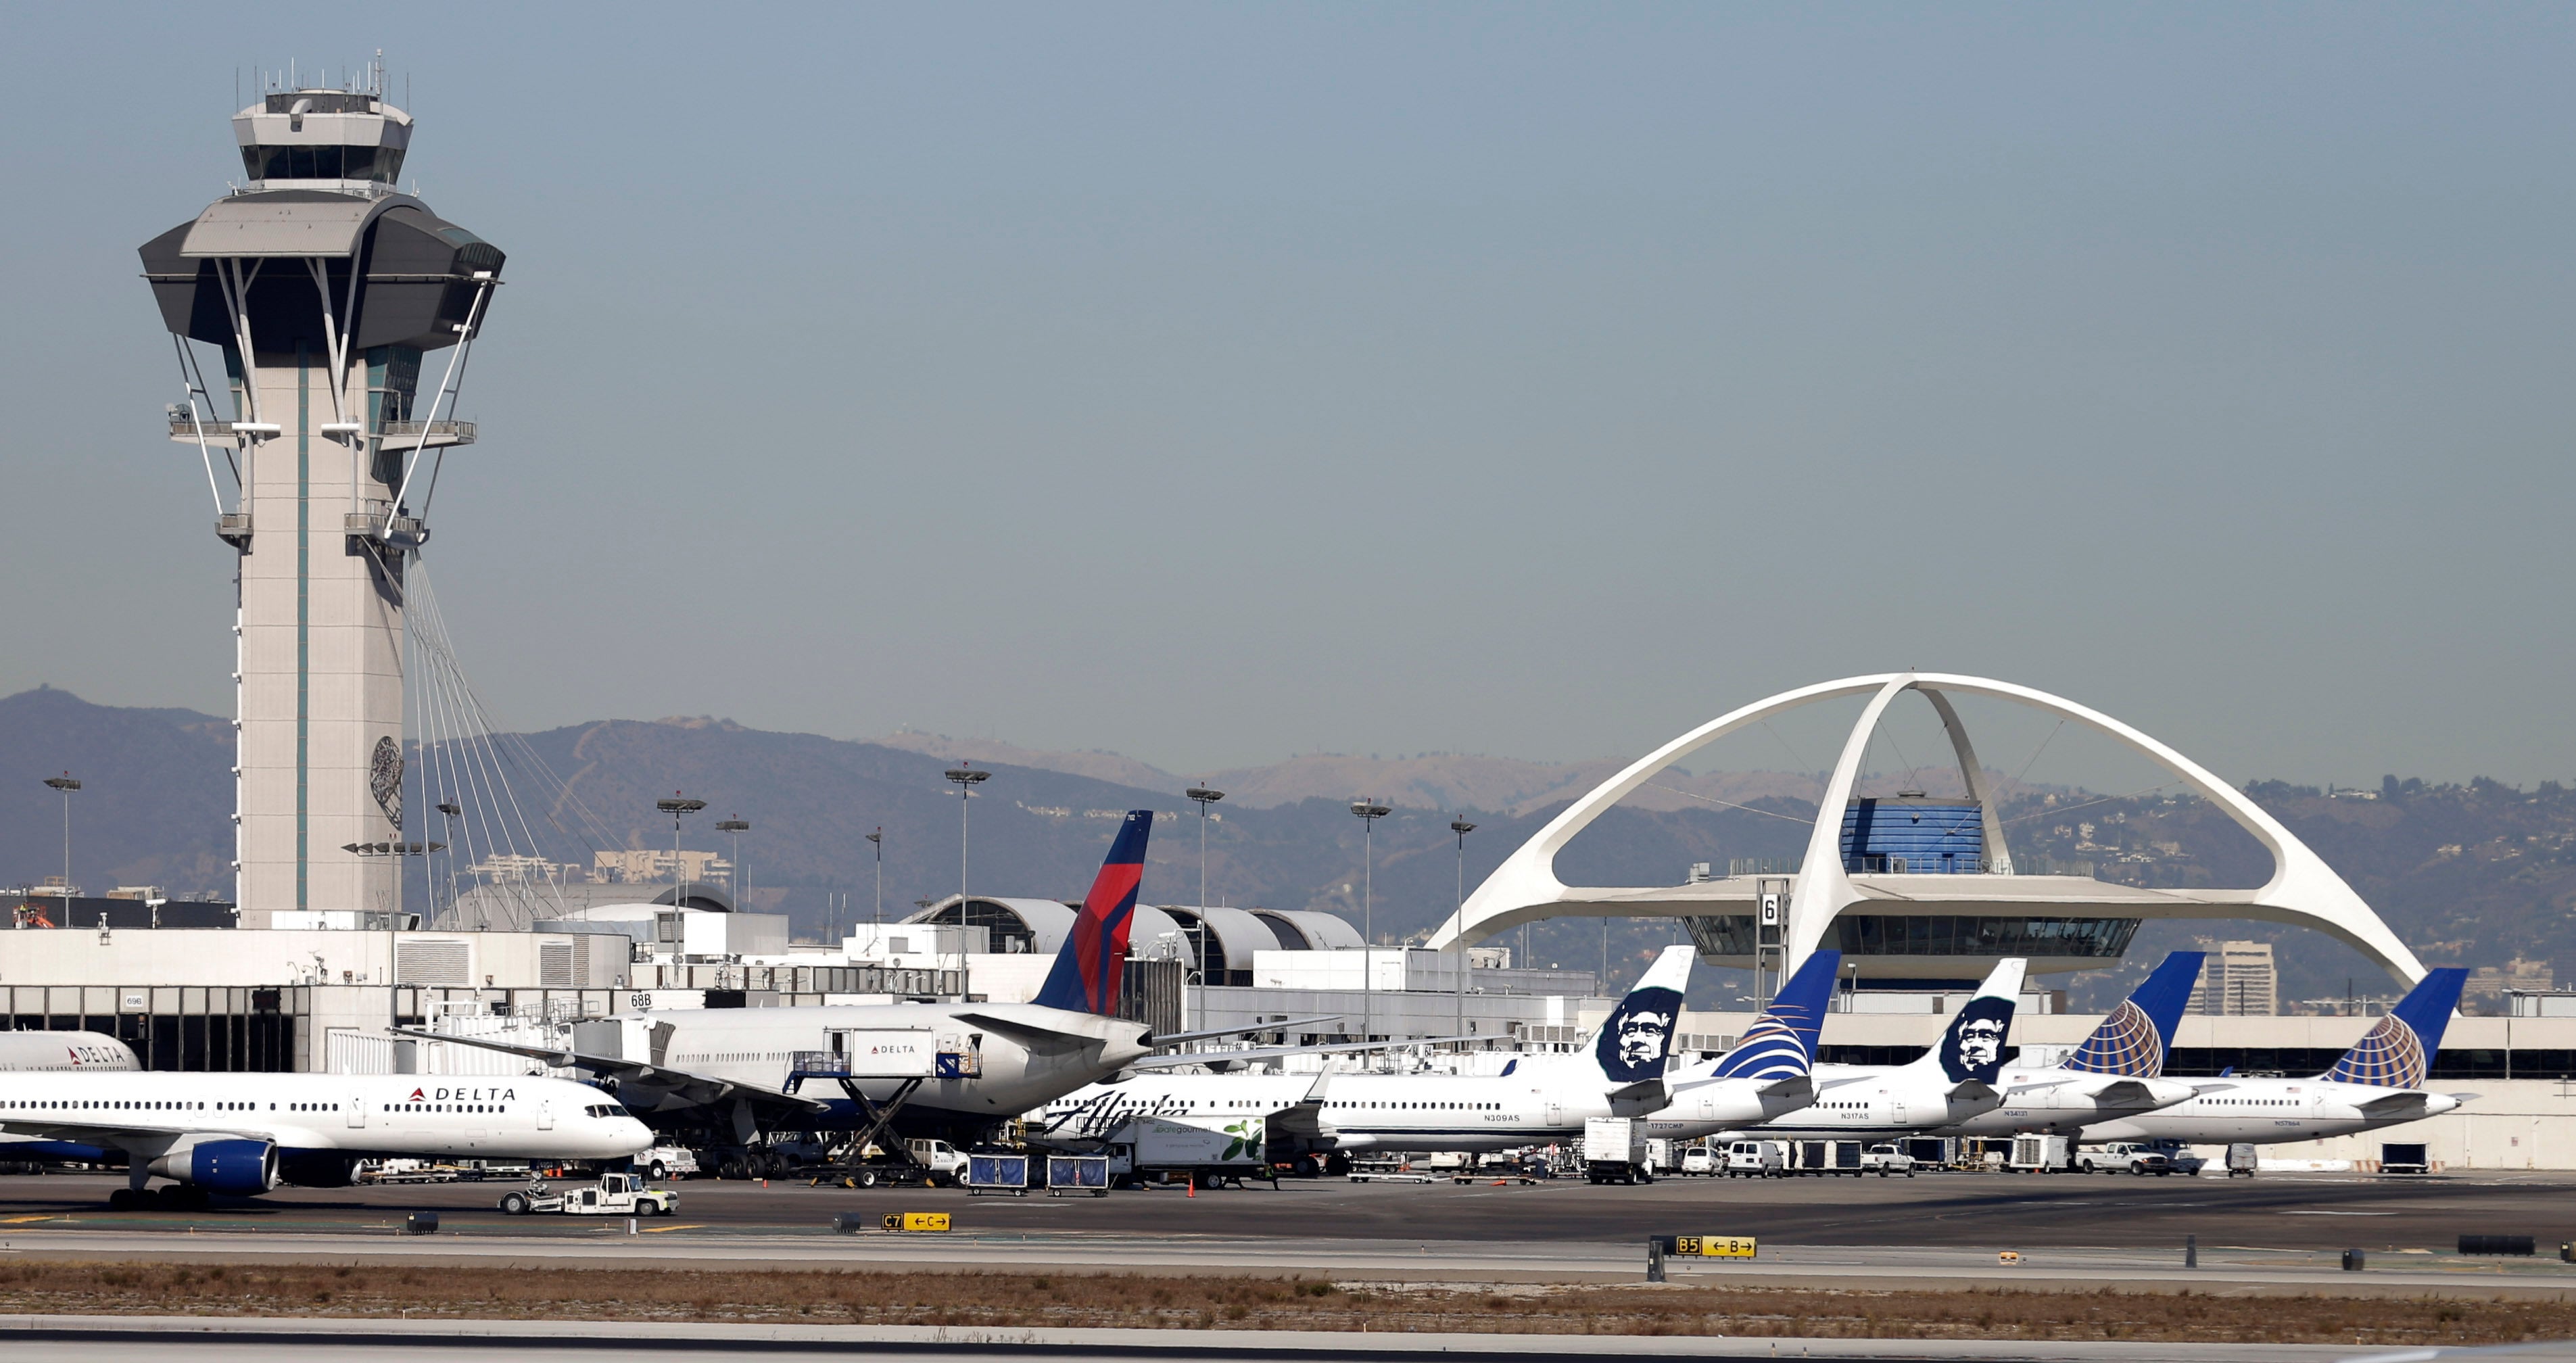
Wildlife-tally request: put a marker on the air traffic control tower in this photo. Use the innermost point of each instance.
(342, 312)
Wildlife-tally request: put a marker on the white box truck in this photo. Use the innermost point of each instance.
(1144, 1149)
(2038, 1154)
(1615, 1150)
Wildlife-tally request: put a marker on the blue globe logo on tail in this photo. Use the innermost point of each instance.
(2135, 1039)
(2398, 1052)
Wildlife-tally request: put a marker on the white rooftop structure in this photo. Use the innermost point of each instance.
(1936, 914)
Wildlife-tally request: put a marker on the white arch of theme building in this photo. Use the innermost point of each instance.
(2303, 890)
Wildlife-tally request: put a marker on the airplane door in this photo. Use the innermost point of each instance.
(1555, 1113)
(357, 1111)
(545, 1114)
(1896, 1107)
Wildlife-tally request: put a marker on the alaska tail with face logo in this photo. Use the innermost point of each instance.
(1972, 1046)
(1633, 1041)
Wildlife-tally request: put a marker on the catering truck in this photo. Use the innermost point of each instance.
(1615, 1150)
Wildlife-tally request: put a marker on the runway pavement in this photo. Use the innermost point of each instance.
(1985, 1212)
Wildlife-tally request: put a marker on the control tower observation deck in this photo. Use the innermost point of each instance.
(329, 298)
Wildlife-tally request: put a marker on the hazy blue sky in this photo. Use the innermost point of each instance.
(1211, 383)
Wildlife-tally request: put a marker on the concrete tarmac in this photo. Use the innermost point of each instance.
(2275, 1235)
(1969, 1211)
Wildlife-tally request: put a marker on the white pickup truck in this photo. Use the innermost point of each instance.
(1885, 1159)
(615, 1195)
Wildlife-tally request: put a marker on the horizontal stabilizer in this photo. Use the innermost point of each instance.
(1213, 1033)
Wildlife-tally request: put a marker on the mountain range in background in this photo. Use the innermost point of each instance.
(2480, 874)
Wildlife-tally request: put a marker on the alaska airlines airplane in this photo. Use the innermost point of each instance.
(2379, 1082)
(1536, 1099)
(723, 1075)
(1953, 1081)
(244, 1134)
(22, 1052)
(2116, 1073)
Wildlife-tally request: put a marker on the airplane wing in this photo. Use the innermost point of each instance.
(2204, 1090)
(1974, 1091)
(696, 1089)
(1793, 1086)
(88, 1130)
(1174, 1061)
(1029, 1033)
(2123, 1093)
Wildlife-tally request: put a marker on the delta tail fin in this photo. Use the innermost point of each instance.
(2398, 1053)
(2135, 1039)
(1781, 1044)
(1638, 1034)
(1972, 1046)
(1092, 965)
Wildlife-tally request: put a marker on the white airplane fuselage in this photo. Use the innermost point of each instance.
(1545, 1099)
(63, 1051)
(2264, 1111)
(1864, 1102)
(1050, 1053)
(150, 1113)
(2064, 1102)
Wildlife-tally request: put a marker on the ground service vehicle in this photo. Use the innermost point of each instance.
(1756, 1159)
(2129, 1157)
(1886, 1159)
(668, 1162)
(1614, 1150)
(613, 1195)
(1144, 1149)
(1700, 1160)
(2040, 1153)
(942, 1160)
(1825, 1157)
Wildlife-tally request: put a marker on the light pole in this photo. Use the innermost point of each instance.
(1459, 826)
(876, 841)
(66, 785)
(1205, 797)
(1369, 812)
(736, 827)
(967, 778)
(677, 807)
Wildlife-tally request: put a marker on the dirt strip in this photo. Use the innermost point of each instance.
(1123, 1300)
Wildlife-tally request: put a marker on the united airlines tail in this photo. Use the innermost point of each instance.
(1638, 1034)
(1781, 1044)
(1092, 964)
(2135, 1039)
(1972, 1046)
(2398, 1053)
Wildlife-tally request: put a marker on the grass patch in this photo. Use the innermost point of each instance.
(1023, 1301)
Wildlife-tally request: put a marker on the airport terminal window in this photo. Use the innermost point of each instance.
(1961, 935)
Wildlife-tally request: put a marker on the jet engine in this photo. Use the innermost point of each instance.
(226, 1165)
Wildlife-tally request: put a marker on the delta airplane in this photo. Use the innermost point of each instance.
(2117, 1072)
(955, 1070)
(2379, 1082)
(22, 1052)
(243, 1134)
(1954, 1081)
(1534, 1100)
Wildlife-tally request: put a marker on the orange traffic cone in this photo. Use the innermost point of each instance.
(1193, 1187)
